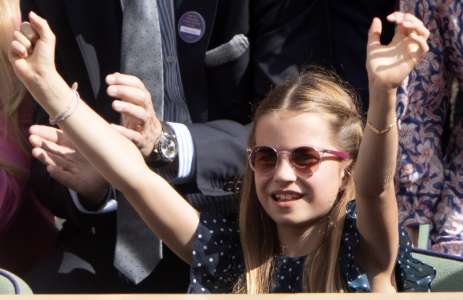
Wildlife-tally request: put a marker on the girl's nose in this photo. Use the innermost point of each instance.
(284, 171)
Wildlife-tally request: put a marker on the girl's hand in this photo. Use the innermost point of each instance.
(388, 65)
(32, 51)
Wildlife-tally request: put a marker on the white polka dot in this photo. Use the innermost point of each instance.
(214, 221)
(221, 229)
(282, 277)
(205, 247)
(211, 231)
(194, 280)
(211, 259)
(200, 236)
(203, 289)
(199, 264)
(194, 252)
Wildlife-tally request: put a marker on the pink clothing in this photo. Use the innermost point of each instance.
(26, 228)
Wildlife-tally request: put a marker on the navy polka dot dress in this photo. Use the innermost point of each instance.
(217, 260)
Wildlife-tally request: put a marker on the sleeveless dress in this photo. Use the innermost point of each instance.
(217, 260)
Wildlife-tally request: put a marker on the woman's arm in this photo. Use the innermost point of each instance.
(376, 203)
(168, 215)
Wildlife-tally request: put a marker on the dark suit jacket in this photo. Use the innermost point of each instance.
(88, 35)
(88, 48)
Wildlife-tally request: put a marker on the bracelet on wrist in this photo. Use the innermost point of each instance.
(70, 109)
(381, 131)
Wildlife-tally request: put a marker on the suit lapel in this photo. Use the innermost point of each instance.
(191, 56)
(97, 33)
(96, 27)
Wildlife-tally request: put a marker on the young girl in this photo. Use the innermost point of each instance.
(297, 230)
(20, 246)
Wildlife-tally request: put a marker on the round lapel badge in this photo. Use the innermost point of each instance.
(191, 27)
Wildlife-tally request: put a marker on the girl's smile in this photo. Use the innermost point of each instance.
(288, 195)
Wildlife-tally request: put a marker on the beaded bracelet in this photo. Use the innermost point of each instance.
(381, 131)
(70, 109)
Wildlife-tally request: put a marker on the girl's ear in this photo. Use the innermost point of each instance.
(347, 173)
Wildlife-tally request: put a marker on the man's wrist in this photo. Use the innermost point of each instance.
(165, 149)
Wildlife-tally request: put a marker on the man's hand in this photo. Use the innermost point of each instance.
(67, 166)
(138, 118)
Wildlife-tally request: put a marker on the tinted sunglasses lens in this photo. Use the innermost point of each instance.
(263, 159)
(305, 159)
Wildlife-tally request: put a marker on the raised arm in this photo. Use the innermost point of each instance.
(387, 66)
(167, 214)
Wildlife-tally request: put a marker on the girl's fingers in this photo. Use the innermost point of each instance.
(396, 17)
(422, 42)
(27, 30)
(374, 33)
(124, 79)
(414, 24)
(17, 50)
(21, 38)
(41, 26)
(130, 109)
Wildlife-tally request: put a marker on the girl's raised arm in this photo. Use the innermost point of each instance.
(387, 65)
(168, 215)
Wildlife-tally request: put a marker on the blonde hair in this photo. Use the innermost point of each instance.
(11, 90)
(316, 91)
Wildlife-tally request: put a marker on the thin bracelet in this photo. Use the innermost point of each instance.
(70, 109)
(381, 131)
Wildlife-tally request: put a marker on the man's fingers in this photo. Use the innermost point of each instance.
(124, 79)
(134, 136)
(43, 156)
(61, 175)
(130, 94)
(51, 134)
(131, 110)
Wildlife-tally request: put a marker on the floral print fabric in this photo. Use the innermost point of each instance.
(430, 188)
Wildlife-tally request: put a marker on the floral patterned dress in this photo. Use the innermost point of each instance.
(430, 188)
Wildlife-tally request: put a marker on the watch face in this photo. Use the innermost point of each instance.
(167, 147)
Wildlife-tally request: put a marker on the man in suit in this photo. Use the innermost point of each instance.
(221, 79)
(89, 45)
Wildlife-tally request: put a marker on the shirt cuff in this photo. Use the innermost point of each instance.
(185, 152)
(109, 205)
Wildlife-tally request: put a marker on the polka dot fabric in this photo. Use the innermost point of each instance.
(217, 260)
(411, 274)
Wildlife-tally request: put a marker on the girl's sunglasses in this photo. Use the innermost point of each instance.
(304, 160)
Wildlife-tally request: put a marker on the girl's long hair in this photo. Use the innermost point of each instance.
(316, 91)
(11, 90)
